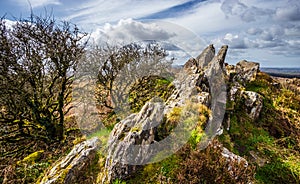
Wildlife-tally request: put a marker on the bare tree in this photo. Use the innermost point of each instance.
(120, 67)
(38, 59)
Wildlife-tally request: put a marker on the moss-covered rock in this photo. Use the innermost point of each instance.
(31, 158)
(70, 168)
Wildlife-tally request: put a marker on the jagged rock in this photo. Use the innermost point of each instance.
(187, 85)
(124, 153)
(216, 77)
(136, 129)
(205, 57)
(216, 69)
(191, 65)
(231, 159)
(74, 164)
(238, 76)
(140, 129)
(253, 103)
(221, 55)
(246, 71)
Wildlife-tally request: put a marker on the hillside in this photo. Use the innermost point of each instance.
(209, 123)
(283, 72)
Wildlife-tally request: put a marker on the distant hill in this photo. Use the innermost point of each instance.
(282, 72)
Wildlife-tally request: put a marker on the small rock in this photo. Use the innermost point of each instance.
(203, 98)
(233, 157)
(230, 69)
(74, 164)
(257, 159)
(253, 103)
(235, 91)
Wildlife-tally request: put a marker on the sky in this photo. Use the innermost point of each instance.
(266, 31)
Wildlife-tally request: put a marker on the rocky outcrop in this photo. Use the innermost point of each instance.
(246, 71)
(137, 129)
(238, 76)
(132, 140)
(230, 70)
(74, 164)
(201, 81)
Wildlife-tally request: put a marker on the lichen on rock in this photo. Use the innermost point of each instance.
(31, 158)
(246, 71)
(253, 103)
(70, 168)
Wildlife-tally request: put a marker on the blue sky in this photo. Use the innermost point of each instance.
(267, 31)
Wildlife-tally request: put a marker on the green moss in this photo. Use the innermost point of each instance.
(147, 88)
(273, 135)
(261, 85)
(225, 139)
(32, 158)
(162, 81)
(276, 172)
(102, 134)
(117, 181)
(31, 173)
(196, 137)
(159, 172)
(78, 140)
(192, 117)
(135, 129)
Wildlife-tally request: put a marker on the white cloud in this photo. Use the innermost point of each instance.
(254, 31)
(129, 30)
(178, 41)
(245, 25)
(292, 31)
(100, 11)
(206, 19)
(37, 3)
(244, 11)
(229, 37)
(233, 41)
(291, 12)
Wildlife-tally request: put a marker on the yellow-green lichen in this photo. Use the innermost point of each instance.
(31, 158)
